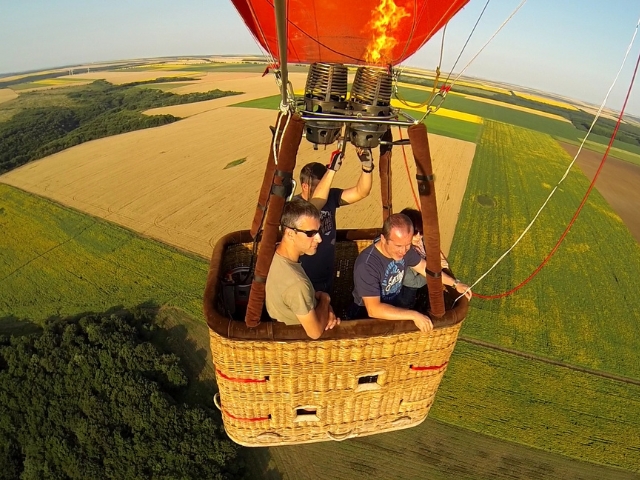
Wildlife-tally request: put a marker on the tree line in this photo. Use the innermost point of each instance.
(93, 398)
(99, 110)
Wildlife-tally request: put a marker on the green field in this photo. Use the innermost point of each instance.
(436, 124)
(55, 97)
(583, 307)
(627, 156)
(545, 406)
(490, 407)
(56, 261)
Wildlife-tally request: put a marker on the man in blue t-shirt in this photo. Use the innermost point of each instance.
(379, 271)
(315, 181)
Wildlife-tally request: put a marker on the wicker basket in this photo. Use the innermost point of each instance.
(278, 387)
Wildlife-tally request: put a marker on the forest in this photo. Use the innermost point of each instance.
(94, 397)
(95, 111)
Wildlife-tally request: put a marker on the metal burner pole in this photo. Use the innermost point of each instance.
(280, 7)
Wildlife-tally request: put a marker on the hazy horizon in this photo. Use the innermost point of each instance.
(572, 48)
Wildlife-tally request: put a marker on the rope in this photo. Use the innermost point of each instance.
(490, 39)
(276, 140)
(467, 41)
(435, 81)
(240, 380)
(430, 367)
(406, 166)
(588, 192)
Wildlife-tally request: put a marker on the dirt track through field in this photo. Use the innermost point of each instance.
(170, 182)
(618, 183)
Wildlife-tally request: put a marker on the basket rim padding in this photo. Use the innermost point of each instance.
(278, 331)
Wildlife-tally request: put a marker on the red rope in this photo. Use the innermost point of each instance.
(406, 166)
(240, 380)
(584, 200)
(256, 419)
(430, 367)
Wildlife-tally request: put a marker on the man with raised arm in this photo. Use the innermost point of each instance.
(290, 297)
(379, 270)
(315, 181)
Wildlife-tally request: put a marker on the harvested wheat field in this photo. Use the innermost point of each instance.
(170, 182)
(7, 94)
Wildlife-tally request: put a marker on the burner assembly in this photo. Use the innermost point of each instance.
(366, 112)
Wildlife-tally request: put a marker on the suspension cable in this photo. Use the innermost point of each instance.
(588, 192)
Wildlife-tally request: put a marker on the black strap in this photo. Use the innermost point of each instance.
(425, 178)
(262, 207)
(284, 175)
(259, 279)
(280, 190)
(386, 207)
(433, 274)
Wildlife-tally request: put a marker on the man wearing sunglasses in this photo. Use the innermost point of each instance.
(290, 296)
(315, 181)
(379, 271)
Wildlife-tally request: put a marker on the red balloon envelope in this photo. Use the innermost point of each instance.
(371, 32)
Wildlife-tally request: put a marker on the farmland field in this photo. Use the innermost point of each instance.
(497, 414)
(467, 131)
(56, 261)
(618, 183)
(138, 179)
(7, 94)
(598, 149)
(77, 263)
(582, 308)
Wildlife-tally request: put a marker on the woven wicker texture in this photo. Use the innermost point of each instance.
(289, 392)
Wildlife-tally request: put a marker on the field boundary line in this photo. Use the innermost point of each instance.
(67, 240)
(557, 363)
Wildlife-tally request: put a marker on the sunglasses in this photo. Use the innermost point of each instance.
(308, 233)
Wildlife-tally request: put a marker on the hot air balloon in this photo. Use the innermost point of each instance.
(277, 386)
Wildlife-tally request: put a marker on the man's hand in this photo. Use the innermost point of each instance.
(366, 159)
(333, 320)
(462, 288)
(422, 322)
(336, 161)
(323, 296)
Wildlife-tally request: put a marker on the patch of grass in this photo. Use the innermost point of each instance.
(544, 406)
(54, 97)
(269, 103)
(500, 114)
(235, 163)
(439, 125)
(620, 153)
(433, 450)
(56, 261)
(583, 307)
(165, 87)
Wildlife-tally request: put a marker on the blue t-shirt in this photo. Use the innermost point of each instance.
(319, 267)
(375, 275)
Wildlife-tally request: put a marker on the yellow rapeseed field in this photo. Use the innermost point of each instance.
(443, 112)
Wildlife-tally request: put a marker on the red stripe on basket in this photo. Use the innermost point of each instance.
(431, 367)
(240, 380)
(256, 419)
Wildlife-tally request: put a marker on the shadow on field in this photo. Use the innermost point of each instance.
(11, 325)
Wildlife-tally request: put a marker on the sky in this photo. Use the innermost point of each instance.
(568, 47)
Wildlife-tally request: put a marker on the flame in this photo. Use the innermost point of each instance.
(384, 21)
